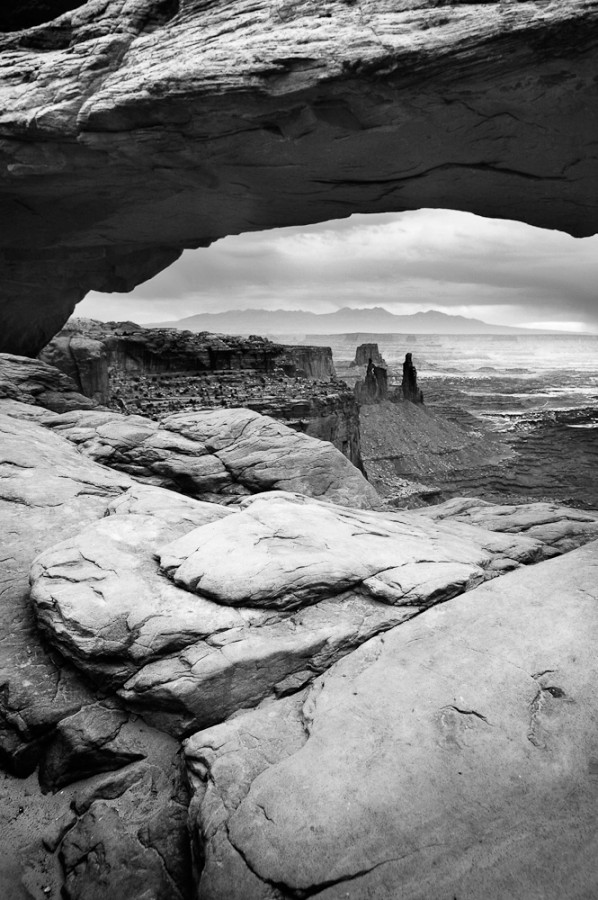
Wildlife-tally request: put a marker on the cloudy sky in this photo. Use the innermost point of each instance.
(499, 271)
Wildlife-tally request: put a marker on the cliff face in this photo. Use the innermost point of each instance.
(308, 362)
(131, 131)
(365, 352)
(102, 356)
(156, 372)
(331, 416)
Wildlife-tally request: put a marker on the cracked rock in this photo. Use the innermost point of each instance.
(252, 605)
(409, 770)
(217, 455)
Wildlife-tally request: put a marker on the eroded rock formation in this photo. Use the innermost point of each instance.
(367, 352)
(158, 371)
(132, 131)
(409, 386)
(374, 388)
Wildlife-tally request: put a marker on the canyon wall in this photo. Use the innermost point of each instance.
(158, 371)
(129, 132)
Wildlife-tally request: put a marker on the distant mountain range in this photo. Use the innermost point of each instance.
(299, 322)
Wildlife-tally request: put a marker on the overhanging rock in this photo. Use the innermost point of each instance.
(131, 131)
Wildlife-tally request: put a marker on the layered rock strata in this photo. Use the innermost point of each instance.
(367, 352)
(130, 132)
(156, 372)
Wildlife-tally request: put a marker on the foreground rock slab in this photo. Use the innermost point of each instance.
(455, 756)
(251, 605)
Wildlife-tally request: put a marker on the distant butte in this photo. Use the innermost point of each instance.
(130, 132)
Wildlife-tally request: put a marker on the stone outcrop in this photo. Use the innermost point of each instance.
(308, 362)
(30, 381)
(367, 352)
(423, 763)
(46, 489)
(130, 132)
(216, 455)
(157, 371)
(103, 357)
(254, 604)
(409, 386)
(374, 388)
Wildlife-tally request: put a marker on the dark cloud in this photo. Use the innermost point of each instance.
(498, 270)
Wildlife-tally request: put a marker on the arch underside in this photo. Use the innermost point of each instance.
(176, 124)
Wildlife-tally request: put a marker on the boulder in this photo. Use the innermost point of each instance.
(455, 756)
(130, 132)
(130, 837)
(98, 738)
(31, 381)
(217, 454)
(290, 554)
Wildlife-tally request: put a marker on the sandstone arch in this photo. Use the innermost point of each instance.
(131, 130)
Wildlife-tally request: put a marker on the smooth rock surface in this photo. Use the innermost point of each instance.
(263, 600)
(456, 756)
(217, 454)
(289, 554)
(131, 131)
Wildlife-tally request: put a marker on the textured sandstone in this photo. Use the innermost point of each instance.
(131, 131)
(30, 381)
(289, 554)
(47, 490)
(262, 601)
(455, 756)
(94, 740)
(217, 454)
(130, 837)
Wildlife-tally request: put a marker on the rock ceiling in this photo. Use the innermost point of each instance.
(132, 129)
